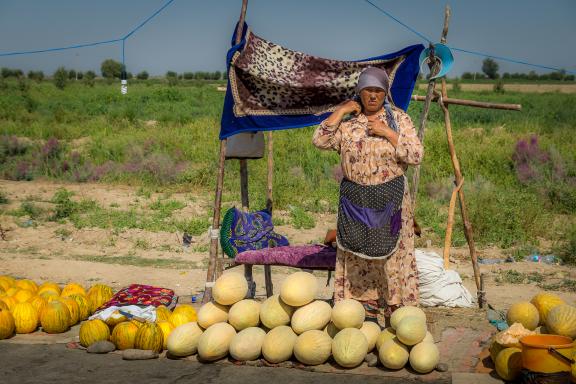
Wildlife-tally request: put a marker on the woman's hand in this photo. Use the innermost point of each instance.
(348, 107)
(377, 127)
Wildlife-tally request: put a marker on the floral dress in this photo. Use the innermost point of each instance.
(370, 160)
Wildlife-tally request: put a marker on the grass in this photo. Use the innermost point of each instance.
(139, 261)
(96, 134)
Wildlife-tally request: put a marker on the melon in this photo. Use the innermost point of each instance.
(274, 312)
(313, 347)
(83, 305)
(99, 295)
(163, 313)
(27, 284)
(244, 314)
(544, 302)
(428, 338)
(50, 296)
(9, 301)
(299, 289)
(188, 310)
(2, 291)
(524, 313)
(562, 320)
(38, 302)
(7, 282)
(407, 311)
(49, 286)
(348, 313)
(25, 318)
(509, 363)
(24, 295)
(230, 288)
(495, 349)
(424, 357)
(212, 313)
(7, 326)
(183, 341)
(55, 317)
(315, 315)
(124, 335)
(386, 334)
(167, 329)
(511, 337)
(114, 319)
(331, 330)
(247, 344)
(73, 289)
(4, 306)
(278, 344)
(411, 330)
(73, 308)
(92, 331)
(149, 337)
(214, 343)
(349, 347)
(371, 330)
(393, 354)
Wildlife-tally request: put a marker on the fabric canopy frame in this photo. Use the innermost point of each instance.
(296, 102)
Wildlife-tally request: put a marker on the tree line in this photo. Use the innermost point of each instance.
(490, 71)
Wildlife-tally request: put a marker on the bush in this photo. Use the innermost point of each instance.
(142, 75)
(60, 78)
(111, 69)
(567, 249)
(499, 86)
(89, 77)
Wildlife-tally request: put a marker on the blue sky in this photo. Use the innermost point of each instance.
(193, 35)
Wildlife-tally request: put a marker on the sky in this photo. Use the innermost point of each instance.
(193, 35)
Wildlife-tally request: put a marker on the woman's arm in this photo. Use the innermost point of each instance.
(409, 149)
(327, 135)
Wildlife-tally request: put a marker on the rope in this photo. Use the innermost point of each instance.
(148, 19)
(60, 48)
(398, 21)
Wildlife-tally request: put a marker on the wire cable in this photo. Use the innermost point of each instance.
(60, 48)
(398, 21)
(148, 19)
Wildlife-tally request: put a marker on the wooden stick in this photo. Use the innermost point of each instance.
(244, 185)
(240, 27)
(463, 210)
(268, 279)
(472, 103)
(270, 180)
(212, 262)
(450, 224)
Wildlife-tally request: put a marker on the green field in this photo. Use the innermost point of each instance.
(164, 138)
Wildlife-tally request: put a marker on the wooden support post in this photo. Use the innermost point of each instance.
(269, 206)
(213, 261)
(450, 224)
(472, 103)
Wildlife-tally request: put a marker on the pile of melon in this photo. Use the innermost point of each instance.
(546, 313)
(295, 325)
(26, 306)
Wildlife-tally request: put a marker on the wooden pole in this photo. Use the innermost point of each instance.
(463, 210)
(213, 261)
(472, 103)
(269, 206)
(450, 224)
(213, 266)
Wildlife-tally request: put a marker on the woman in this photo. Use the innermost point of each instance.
(375, 261)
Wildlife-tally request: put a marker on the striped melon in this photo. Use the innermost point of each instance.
(544, 302)
(167, 329)
(124, 335)
(92, 331)
(149, 337)
(25, 318)
(562, 320)
(73, 289)
(7, 325)
(55, 317)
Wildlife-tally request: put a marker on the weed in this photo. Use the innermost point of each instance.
(166, 208)
(141, 244)
(29, 209)
(510, 277)
(3, 198)
(301, 219)
(64, 206)
(62, 233)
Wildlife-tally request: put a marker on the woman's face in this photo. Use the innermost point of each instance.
(372, 99)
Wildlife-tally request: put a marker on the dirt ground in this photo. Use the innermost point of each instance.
(92, 255)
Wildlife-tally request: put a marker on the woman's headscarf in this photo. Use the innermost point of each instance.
(378, 78)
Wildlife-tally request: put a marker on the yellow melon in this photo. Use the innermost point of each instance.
(411, 330)
(349, 347)
(83, 305)
(149, 337)
(167, 329)
(274, 312)
(2, 291)
(315, 315)
(424, 357)
(562, 320)
(49, 286)
(25, 318)
(7, 282)
(187, 310)
(163, 313)
(348, 313)
(9, 301)
(55, 317)
(73, 289)
(428, 338)
(183, 341)
(27, 284)
(99, 294)
(24, 295)
(299, 289)
(509, 363)
(331, 330)
(244, 314)
(544, 302)
(278, 344)
(7, 326)
(386, 334)
(38, 302)
(393, 354)
(214, 343)
(524, 313)
(73, 308)
(407, 311)
(371, 330)
(124, 335)
(247, 344)
(212, 313)
(4, 306)
(313, 347)
(92, 331)
(11, 292)
(230, 288)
